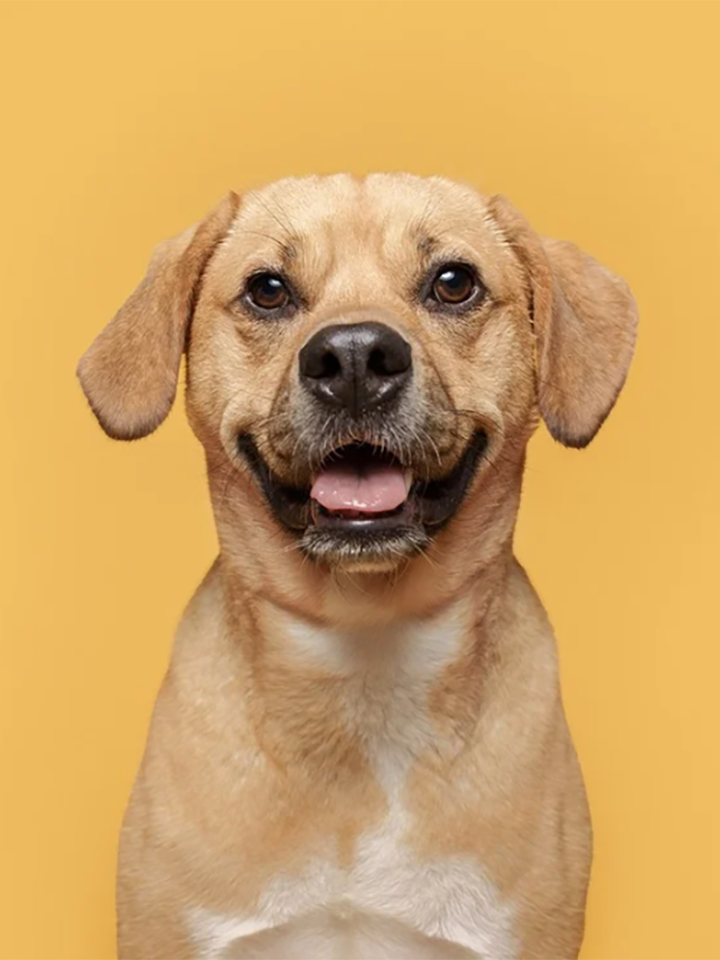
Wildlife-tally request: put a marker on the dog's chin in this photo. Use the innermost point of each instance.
(360, 535)
(365, 546)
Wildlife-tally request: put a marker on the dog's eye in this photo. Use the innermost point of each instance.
(454, 284)
(268, 291)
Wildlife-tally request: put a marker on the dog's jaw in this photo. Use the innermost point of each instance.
(355, 537)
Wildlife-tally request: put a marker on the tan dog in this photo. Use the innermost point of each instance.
(360, 749)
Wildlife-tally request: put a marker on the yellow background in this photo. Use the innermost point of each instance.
(122, 123)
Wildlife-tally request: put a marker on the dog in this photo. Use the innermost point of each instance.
(360, 749)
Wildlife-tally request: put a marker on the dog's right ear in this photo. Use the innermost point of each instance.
(130, 372)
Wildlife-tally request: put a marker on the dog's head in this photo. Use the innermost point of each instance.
(366, 359)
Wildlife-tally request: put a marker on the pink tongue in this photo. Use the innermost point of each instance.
(375, 489)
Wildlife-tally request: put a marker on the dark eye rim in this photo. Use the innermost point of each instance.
(285, 309)
(433, 303)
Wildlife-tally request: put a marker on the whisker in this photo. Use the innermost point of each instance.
(288, 230)
(258, 233)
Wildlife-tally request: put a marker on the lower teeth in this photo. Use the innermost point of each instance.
(317, 511)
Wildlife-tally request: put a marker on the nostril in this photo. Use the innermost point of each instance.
(329, 366)
(378, 363)
(390, 358)
(320, 364)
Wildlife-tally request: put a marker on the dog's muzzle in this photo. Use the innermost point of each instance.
(371, 496)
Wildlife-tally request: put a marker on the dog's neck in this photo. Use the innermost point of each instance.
(403, 686)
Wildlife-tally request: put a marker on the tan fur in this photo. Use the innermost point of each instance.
(130, 373)
(307, 710)
(585, 321)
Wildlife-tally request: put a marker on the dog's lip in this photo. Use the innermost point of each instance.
(429, 504)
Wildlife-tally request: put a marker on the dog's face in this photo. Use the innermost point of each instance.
(363, 347)
(364, 352)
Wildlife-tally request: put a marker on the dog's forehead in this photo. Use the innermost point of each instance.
(393, 216)
(300, 204)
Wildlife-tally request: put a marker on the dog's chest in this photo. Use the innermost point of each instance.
(451, 898)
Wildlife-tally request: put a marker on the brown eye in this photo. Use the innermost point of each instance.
(268, 291)
(454, 284)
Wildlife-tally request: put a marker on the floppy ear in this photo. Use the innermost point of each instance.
(585, 321)
(129, 374)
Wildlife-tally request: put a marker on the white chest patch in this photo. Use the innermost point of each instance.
(450, 900)
(395, 902)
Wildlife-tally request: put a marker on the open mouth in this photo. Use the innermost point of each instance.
(360, 484)
(364, 504)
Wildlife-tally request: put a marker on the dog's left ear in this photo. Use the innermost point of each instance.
(585, 322)
(130, 372)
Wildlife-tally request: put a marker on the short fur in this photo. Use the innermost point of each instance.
(350, 760)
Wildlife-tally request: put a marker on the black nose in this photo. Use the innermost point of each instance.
(357, 366)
